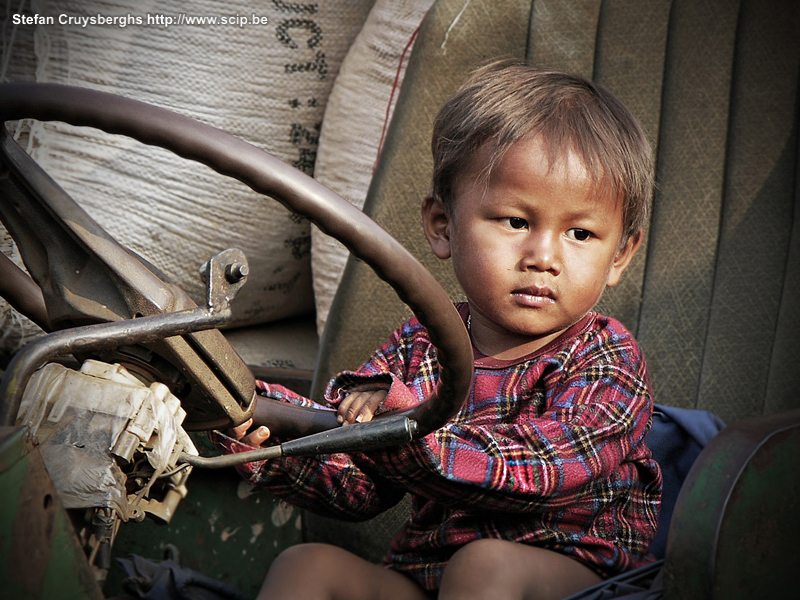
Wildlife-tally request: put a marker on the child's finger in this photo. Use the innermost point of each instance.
(372, 400)
(238, 432)
(360, 406)
(363, 412)
(344, 406)
(350, 410)
(256, 437)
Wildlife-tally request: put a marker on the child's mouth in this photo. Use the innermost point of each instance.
(536, 297)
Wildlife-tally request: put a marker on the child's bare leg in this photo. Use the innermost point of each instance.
(325, 572)
(489, 569)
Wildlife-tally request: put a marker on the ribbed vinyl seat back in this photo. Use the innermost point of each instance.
(713, 295)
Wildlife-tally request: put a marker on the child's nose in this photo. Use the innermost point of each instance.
(540, 252)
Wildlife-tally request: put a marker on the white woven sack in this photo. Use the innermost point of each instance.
(16, 43)
(369, 78)
(266, 83)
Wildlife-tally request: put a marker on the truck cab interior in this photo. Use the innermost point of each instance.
(712, 296)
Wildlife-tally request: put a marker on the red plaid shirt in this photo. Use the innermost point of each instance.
(548, 450)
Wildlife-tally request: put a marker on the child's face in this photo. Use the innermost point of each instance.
(533, 250)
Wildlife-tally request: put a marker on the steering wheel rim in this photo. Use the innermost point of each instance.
(298, 192)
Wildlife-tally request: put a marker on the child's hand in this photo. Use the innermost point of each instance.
(255, 438)
(360, 406)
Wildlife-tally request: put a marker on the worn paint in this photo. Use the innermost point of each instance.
(282, 514)
(214, 501)
(40, 556)
(212, 520)
(244, 490)
(257, 529)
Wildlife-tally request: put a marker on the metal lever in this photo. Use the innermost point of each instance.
(360, 437)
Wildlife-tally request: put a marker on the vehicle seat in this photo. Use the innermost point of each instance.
(712, 296)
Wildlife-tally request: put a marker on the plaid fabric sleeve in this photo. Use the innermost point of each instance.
(501, 454)
(405, 366)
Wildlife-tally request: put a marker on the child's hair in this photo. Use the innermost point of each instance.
(507, 101)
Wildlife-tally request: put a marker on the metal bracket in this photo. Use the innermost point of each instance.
(224, 275)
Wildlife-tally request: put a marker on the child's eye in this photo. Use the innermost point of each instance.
(515, 222)
(578, 234)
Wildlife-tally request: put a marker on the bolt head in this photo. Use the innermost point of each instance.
(237, 271)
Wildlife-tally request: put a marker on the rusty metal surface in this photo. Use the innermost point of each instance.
(94, 338)
(22, 293)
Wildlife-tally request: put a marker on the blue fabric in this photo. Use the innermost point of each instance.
(167, 580)
(677, 437)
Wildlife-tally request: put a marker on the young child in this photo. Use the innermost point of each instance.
(542, 484)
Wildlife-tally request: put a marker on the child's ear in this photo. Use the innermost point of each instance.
(436, 224)
(624, 258)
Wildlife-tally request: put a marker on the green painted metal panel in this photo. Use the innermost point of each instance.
(735, 527)
(224, 529)
(39, 552)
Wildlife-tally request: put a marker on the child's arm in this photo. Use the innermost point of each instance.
(548, 460)
(507, 454)
(498, 455)
(334, 485)
(344, 486)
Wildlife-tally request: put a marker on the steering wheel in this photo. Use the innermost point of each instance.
(32, 206)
